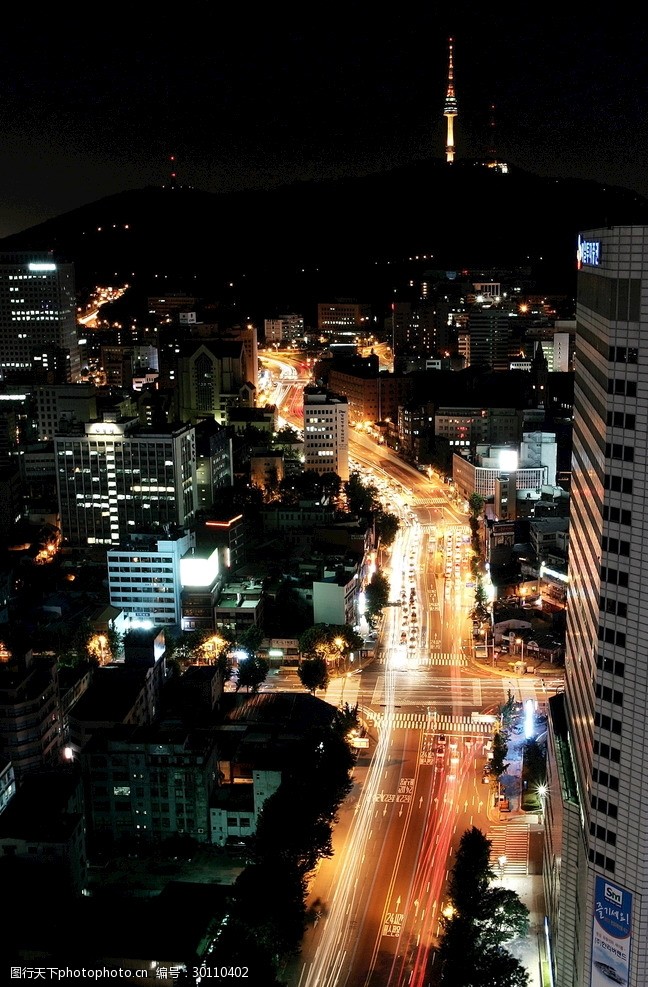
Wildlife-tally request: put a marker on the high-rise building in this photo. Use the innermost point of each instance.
(38, 331)
(491, 338)
(596, 873)
(55, 404)
(117, 476)
(326, 432)
(211, 378)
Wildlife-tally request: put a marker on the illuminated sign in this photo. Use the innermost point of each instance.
(199, 572)
(41, 267)
(508, 460)
(588, 253)
(611, 934)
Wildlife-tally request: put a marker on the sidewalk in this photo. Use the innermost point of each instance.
(531, 949)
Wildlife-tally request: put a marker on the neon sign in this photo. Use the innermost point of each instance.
(588, 253)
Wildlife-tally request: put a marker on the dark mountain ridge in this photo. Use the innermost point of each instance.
(347, 237)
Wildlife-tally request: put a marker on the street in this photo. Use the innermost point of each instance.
(425, 703)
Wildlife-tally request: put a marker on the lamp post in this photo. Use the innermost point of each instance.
(339, 644)
(520, 641)
(501, 863)
(542, 791)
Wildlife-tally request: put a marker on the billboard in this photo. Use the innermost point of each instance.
(611, 933)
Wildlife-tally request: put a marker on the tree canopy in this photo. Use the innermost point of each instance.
(252, 672)
(333, 642)
(481, 919)
(377, 596)
(313, 673)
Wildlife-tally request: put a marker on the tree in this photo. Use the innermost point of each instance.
(507, 710)
(376, 596)
(500, 749)
(313, 673)
(361, 498)
(346, 719)
(480, 920)
(471, 873)
(387, 525)
(251, 638)
(475, 504)
(503, 917)
(252, 672)
(332, 642)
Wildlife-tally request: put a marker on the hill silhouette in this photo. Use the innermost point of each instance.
(283, 247)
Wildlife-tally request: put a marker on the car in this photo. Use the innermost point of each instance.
(440, 751)
(443, 740)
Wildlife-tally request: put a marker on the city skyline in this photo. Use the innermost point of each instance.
(256, 106)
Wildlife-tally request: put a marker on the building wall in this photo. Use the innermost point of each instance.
(326, 433)
(149, 790)
(38, 316)
(144, 579)
(333, 603)
(606, 658)
(58, 403)
(117, 477)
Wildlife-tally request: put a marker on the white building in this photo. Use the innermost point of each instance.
(596, 873)
(563, 348)
(335, 598)
(326, 432)
(144, 579)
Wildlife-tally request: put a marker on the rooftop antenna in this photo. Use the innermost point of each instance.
(450, 107)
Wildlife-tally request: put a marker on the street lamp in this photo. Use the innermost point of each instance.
(339, 644)
(520, 641)
(543, 791)
(212, 648)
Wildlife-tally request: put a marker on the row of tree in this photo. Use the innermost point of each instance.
(479, 920)
(267, 912)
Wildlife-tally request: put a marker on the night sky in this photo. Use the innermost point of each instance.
(252, 97)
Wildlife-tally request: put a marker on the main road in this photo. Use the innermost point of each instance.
(378, 900)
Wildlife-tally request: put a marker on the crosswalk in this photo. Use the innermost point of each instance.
(446, 658)
(430, 502)
(453, 658)
(510, 840)
(433, 723)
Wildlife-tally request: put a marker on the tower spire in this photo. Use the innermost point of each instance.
(492, 153)
(450, 106)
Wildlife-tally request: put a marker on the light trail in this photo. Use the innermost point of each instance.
(337, 934)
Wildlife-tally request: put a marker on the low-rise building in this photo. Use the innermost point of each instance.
(146, 784)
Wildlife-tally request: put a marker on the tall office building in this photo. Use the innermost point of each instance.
(211, 377)
(491, 337)
(326, 432)
(596, 864)
(38, 329)
(117, 476)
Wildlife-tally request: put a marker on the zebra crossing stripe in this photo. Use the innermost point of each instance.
(445, 658)
(438, 724)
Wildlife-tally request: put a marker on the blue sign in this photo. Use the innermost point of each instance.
(588, 253)
(612, 928)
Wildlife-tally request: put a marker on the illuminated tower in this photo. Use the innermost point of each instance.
(450, 107)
